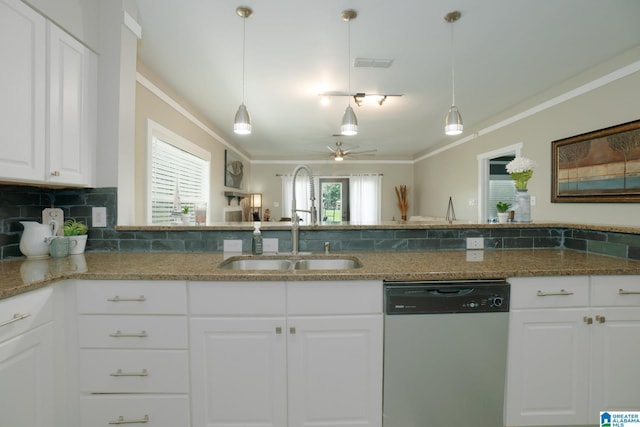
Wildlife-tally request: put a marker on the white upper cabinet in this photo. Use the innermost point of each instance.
(23, 89)
(48, 104)
(72, 109)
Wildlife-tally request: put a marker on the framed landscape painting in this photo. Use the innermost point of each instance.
(599, 166)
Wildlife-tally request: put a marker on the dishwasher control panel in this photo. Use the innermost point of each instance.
(446, 297)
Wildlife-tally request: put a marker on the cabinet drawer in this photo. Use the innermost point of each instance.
(237, 298)
(615, 291)
(21, 313)
(152, 411)
(105, 331)
(349, 297)
(549, 292)
(131, 297)
(134, 371)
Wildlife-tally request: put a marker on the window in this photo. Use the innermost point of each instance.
(360, 198)
(175, 166)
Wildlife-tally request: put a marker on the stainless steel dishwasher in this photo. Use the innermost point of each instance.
(445, 353)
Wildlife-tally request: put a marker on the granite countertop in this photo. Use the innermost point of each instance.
(21, 275)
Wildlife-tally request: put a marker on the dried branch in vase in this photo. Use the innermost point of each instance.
(403, 200)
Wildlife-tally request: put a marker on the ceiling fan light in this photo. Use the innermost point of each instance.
(339, 157)
(349, 125)
(242, 122)
(453, 122)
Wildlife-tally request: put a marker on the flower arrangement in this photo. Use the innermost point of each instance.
(521, 170)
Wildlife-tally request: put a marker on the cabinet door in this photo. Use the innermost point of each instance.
(22, 85)
(71, 132)
(238, 372)
(548, 365)
(335, 370)
(26, 379)
(615, 377)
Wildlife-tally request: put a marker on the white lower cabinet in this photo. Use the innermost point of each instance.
(133, 357)
(573, 346)
(305, 353)
(26, 360)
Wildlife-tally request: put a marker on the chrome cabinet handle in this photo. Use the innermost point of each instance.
(588, 320)
(600, 319)
(121, 373)
(119, 334)
(15, 318)
(623, 292)
(121, 420)
(548, 294)
(141, 298)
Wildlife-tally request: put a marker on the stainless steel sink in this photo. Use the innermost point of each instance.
(327, 264)
(284, 263)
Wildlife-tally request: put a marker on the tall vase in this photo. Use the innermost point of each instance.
(523, 206)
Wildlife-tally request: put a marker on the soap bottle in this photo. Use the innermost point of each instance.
(256, 243)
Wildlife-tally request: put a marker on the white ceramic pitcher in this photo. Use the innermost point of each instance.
(36, 238)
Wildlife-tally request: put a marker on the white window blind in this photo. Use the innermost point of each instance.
(175, 163)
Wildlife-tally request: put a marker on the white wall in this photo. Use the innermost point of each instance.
(453, 172)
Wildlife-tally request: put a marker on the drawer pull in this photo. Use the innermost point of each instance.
(278, 330)
(121, 420)
(121, 373)
(292, 330)
(549, 294)
(119, 334)
(588, 320)
(141, 298)
(623, 292)
(600, 319)
(15, 318)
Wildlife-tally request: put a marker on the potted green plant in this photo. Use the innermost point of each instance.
(503, 213)
(186, 218)
(76, 231)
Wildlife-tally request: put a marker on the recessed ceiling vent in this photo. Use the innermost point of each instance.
(372, 63)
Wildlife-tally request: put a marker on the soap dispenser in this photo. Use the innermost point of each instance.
(256, 243)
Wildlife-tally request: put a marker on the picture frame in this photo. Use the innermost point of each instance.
(602, 166)
(233, 170)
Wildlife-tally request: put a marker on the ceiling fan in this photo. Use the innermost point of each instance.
(339, 153)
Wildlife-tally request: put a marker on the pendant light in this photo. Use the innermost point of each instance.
(242, 122)
(453, 122)
(349, 124)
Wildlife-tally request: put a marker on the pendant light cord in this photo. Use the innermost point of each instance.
(453, 74)
(349, 61)
(244, 38)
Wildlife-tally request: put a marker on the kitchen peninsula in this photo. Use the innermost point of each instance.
(388, 251)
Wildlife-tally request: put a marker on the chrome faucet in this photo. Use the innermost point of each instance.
(295, 223)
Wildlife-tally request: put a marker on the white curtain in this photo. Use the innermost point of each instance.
(365, 199)
(302, 196)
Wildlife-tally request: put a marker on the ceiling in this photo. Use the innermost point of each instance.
(506, 51)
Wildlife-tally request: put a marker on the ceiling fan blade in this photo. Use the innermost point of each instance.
(364, 152)
(333, 150)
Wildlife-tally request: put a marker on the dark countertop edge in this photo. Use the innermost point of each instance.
(241, 226)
